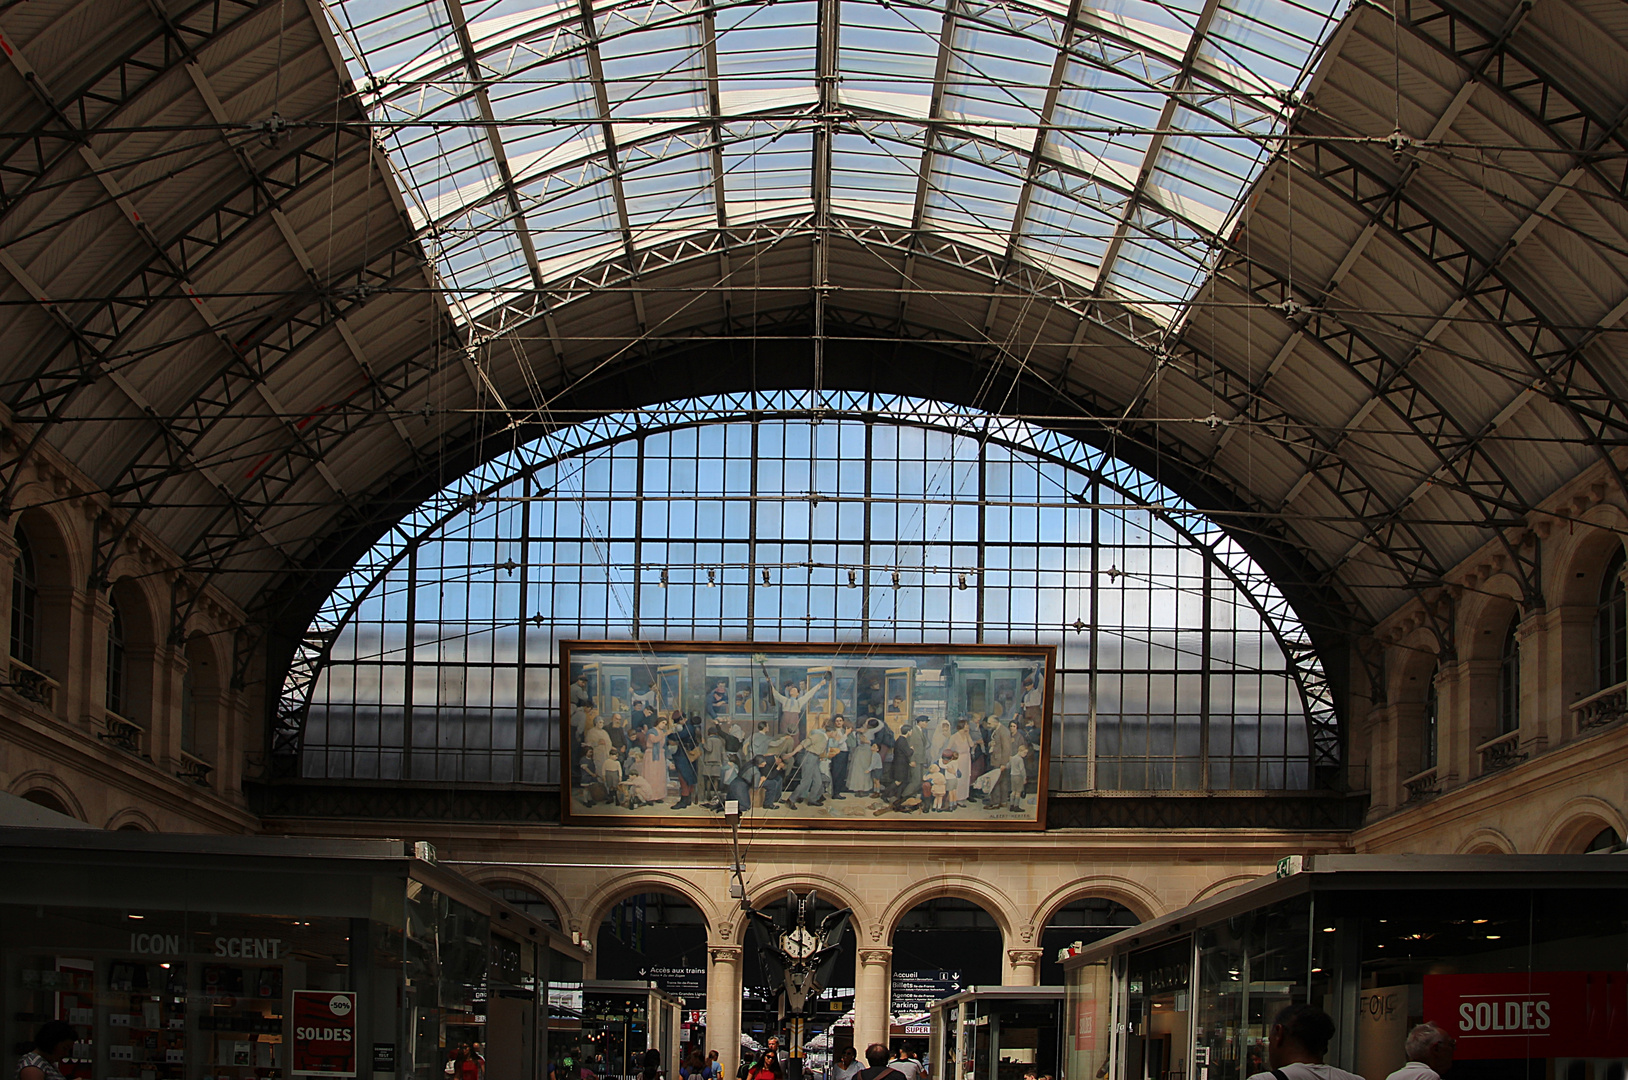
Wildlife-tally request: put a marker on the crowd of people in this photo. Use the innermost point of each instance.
(796, 759)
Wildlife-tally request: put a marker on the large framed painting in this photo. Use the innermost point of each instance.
(806, 735)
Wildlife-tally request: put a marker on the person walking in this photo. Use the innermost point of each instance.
(876, 1055)
(764, 1065)
(846, 1065)
(1295, 1047)
(1430, 1053)
(53, 1042)
(905, 1064)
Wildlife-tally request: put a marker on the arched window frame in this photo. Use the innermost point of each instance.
(1509, 678)
(1430, 724)
(25, 604)
(1611, 626)
(118, 663)
(1094, 471)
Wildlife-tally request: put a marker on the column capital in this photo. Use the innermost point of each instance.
(875, 957)
(724, 954)
(1024, 957)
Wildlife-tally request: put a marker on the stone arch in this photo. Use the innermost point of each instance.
(775, 889)
(960, 886)
(1577, 822)
(1216, 888)
(1144, 904)
(1483, 616)
(131, 820)
(618, 889)
(1486, 841)
(1579, 555)
(488, 877)
(43, 783)
(51, 530)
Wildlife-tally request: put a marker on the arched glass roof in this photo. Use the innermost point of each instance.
(1110, 143)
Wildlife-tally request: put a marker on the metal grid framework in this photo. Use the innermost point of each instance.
(1181, 667)
(1111, 146)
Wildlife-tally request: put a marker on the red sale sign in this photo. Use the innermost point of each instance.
(324, 1042)
(1539, 1014)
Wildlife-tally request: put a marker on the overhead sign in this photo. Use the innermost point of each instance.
(324, 1042)
(686, 982)
(1540, 1014)
(914, 990)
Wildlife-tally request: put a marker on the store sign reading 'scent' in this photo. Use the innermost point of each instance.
(324, 1041)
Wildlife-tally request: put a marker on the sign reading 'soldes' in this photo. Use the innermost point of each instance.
(807, 735)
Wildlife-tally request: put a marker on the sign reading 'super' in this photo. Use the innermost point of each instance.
(324, 1042)
(1542, 1014)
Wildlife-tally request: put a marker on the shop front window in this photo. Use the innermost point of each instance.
(1158, 1011)
(1250, 968)
(168, 995)
(446, 984)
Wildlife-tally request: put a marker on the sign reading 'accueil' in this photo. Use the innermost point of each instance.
(324, 1042)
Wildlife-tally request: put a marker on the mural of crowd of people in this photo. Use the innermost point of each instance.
(806, 735)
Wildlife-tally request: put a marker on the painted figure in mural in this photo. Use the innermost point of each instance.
(793, 705)
(824, 744)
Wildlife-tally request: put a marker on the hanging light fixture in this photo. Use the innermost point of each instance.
(712, 578)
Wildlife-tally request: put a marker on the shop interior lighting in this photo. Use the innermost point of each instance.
(1477, 922)
(1328, 929)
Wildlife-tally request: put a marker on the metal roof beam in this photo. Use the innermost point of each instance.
(935, 116)
(245, 161)
(199, 305)
(176, 447)
(1150, 160)
(1048, 109)
(596, 76)
(1491, 59)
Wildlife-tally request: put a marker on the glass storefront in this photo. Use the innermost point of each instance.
(193, 958)
(997, 1033)
(1521, 958)
(602, 1029)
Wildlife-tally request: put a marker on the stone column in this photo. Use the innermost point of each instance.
(873, 996)
(1022, 967)
(724, 1005)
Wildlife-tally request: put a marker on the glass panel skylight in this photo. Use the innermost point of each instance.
(582, 121)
